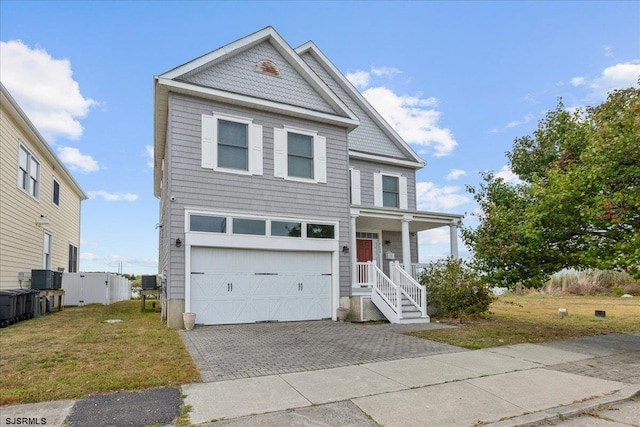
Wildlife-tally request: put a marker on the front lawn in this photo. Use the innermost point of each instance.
(535, 319)
(74, 353)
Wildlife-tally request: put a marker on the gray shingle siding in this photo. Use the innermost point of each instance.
(367, 137)
(238, 75)
(195, 187)
(367, 169)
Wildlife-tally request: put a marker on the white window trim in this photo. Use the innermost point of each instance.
(209, 144)
(356, 198)
(30, 158)
(77, 264)
(402, 188)
(281, 154)
(46, 251)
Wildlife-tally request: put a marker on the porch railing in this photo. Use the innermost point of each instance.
(386, 295)
(414, 291)
(416, 270)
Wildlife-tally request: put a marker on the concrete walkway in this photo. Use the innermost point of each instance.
(571, 383)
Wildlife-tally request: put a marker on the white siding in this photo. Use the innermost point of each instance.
(22, 241)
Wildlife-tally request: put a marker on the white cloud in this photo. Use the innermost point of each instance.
(577, 81)
(76, 161)
(44, 88)
(455, 174)
(529, 98)
(432, 198)
(360, 79)
(607, 51)
(112, 262)
(526, 119)
(619, 76)
(414, 118)
(148, 153)
(113, 197)
(508, 176)
(383, 71)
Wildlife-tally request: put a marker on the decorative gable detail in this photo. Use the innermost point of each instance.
(267, 66)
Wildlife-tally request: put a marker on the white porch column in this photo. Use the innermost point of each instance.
(453, 236)
(353, 247)
(406, 243)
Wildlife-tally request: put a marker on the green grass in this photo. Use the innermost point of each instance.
(74, 353)
(534, 319)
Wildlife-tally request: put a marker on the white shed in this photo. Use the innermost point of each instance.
(91, 288)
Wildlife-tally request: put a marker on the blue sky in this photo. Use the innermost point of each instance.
(458, 80)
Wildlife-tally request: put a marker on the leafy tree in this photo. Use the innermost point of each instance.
(579, 203)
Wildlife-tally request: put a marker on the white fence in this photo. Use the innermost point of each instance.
(92, 288)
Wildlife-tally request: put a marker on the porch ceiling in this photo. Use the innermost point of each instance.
(391, 219)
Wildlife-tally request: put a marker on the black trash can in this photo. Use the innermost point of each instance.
(21, 303)
(35, 295)
(7, 308)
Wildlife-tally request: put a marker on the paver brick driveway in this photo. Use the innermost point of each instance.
(241, 351)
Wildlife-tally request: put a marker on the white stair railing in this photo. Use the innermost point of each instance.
(414, 291)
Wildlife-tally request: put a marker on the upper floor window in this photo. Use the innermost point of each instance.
(56, 192)
(390, 190)
(28, 172)
(231, 144)
(299, 155)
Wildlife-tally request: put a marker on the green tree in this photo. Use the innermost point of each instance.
(579, 203)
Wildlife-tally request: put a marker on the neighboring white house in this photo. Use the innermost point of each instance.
(283, 194)
(39, 202)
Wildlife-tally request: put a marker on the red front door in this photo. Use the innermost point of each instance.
(364, 253)
(364, 250)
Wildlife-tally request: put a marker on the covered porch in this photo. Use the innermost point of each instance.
(384, 236)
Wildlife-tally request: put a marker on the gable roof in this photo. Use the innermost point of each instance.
(35, 137)
(412, 157)
(174, 81)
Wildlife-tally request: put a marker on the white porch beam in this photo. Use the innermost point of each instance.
(406, 243)
(453, 236)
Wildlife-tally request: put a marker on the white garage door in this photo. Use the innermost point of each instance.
(246, 286)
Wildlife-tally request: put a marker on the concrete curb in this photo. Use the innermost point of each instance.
(561, 413)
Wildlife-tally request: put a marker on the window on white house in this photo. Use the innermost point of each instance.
(299, 155)
(73, 258)
(46, 257)
(390, 191)
(28, 173)
(56, 192)
(231, 144)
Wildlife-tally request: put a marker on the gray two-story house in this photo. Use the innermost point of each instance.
(283, 194)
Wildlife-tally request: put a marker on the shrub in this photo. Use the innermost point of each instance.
(455, 289)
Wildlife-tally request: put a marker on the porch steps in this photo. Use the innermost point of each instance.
(411, 313)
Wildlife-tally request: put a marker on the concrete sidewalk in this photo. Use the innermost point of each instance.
(503, 386)
(523, 384)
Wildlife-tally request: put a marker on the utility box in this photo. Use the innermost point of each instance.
(149, 282)
(43, 279)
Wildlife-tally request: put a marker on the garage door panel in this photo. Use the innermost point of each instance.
(246, 286)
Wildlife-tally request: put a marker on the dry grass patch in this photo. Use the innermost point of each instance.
(74, 353)
(534, 319)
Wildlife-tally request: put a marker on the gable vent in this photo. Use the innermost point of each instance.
(267, 67)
